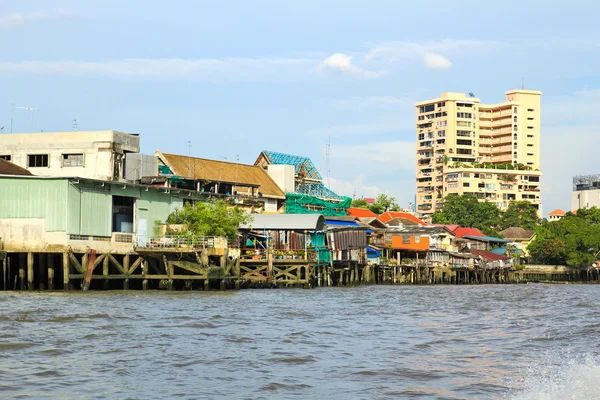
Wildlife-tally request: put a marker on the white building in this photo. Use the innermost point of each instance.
(586, 192)
(90, 154)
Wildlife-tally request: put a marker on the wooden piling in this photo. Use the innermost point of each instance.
(30, 271)
(41, 270)
(66, 271)
(50, 271)
(105, 270)
(22, 263)
(4, 276)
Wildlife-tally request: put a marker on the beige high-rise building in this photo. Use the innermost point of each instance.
(489, 150)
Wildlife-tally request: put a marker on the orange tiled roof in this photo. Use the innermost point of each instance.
(460, 232)
(557, 212)
(361, 212)
(386, 216)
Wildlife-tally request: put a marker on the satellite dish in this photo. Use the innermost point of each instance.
(471, 94)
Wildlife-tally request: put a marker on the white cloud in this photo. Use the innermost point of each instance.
(15, 20)
(357, 129)
(436, 61)
(355, 187)
(369, 102)
(173, 69)
(402, 50)
(340, 62)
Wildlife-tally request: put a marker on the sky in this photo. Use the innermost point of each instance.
(237, 77)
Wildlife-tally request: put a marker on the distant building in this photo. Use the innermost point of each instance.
(556, 215)
(491, 151)
(520, 237)
(586, 192)
(91, 154)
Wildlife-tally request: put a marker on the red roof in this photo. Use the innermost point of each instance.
(386, 216)
(557, 212)
(361, 212)
(460, 232)
(488, 255)
(451, 228)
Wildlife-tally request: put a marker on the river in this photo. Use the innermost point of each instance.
(378, 342)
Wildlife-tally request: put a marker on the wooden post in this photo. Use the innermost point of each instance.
(66, 271)
(89, 265)
(145, 284)
(41, 270)
(22, 263)
(126, 284)
(105, 270)
(206, 285)
(4, 277)
(30, 271)
(50, 271)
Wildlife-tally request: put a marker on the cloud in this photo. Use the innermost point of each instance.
(355, 187)
(340, 62)
(173, 69)
(16, 20)
(357, 129)
(436, 61)
(369, 102)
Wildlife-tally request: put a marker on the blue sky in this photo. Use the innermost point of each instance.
(236, 77)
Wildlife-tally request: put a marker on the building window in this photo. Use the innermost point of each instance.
(441, 133)
(530, 127)
(529, 154)
(529, 145)
(515, 136)
(530, 109)
(428, 108)
(421, 136)
(463, 123)
(515, 146)
(515, 128)
(405, 239)
(37, 160)
(72, 160)
(442, 104)
(6, 157)
(466, 175)
(515, 110)
(515, 153)
(515, 119)
(463, 142)
(466, 184)
(530, 118)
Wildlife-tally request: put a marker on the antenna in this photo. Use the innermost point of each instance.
(75, 126)
(327, 154)
(237, 156)
(522, 83)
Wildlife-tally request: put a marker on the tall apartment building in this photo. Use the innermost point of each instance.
(489, 150)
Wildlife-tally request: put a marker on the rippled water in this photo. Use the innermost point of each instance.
(378, 342)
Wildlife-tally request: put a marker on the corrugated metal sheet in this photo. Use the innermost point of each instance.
(154, 205)
(28, 198)
(125, 191)
(74, 211)
(96, 213)
(286, 222)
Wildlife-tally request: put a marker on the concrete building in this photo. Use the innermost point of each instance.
(489, 150)
(586, 192)
(92, 154)
(556, 215)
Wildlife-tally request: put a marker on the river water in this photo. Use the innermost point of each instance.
(379, 342)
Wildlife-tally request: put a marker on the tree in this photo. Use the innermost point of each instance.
(467, 211)
(383, 203)
(359, 203)
(519, 213)
(215, 218)
(573, 240)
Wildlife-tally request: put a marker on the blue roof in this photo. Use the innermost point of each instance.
(486, 239)
(502, 251)
(344, 223)
(304, 166)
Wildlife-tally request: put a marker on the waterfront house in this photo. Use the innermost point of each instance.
(248, 186)
(556, 215)
(421, 244)
(56, 214)
(520, 238)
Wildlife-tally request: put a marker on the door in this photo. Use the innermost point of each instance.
(142, 234)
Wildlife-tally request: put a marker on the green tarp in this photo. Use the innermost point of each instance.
(301, 204)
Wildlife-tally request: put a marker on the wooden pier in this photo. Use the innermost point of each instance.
(209, 268)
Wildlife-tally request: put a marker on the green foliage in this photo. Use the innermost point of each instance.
(467, 211)
(383, 203)
(359, 203)
(519, 213)
(215, 218)
(573, 240)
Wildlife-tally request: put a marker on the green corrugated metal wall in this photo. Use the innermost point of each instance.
(33, 198)
(154, 205)
(96, 213)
